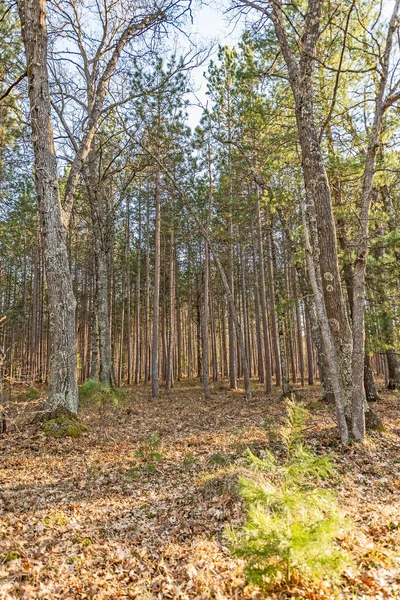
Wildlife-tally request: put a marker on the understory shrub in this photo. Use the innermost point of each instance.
(292, 524)
(150, 450)
(100, 393)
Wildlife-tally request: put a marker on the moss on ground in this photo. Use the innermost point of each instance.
(64, 426)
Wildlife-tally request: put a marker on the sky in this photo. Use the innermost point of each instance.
(210, 28)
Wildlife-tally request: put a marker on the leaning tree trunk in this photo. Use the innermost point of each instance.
(62, 381)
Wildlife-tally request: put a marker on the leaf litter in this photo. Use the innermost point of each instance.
(137, 506)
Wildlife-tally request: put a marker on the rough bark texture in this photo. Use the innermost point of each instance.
(62, 383)
(317, 187)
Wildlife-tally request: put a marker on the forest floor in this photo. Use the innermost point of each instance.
(119, 514)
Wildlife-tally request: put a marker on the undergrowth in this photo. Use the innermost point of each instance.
(292, 523)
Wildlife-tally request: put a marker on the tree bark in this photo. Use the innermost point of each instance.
(62, 382)
(263, 302)
(156, 297)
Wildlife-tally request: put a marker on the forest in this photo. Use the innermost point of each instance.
(199, 299)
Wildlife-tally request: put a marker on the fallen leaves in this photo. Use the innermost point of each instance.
(87, 518)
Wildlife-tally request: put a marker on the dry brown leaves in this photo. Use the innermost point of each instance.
(87, 518)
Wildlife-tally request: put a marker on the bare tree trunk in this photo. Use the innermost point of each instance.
(62, 383)
(128, 292)
(329, 344)
(286, 388)
(147, 299)
(206, 380)
(3, 413)
(122, 332)
(231, 325)
(301, 74)
(371, 392)
(190, 342)
(299, 338)
(213, 338)
(360, 266)
(310, 362)
(138, 296)
(169, 377)
(156, 300)
(260, 358)
(178, 320)
(263, 299)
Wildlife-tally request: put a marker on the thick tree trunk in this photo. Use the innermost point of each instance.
(62, 381)
(317, 189)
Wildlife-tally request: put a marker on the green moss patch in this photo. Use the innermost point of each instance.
(64, 426)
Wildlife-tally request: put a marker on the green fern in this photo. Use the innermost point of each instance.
(292, 524)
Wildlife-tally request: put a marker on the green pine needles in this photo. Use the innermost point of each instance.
(292, 524)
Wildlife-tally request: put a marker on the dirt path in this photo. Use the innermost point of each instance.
(124, 512)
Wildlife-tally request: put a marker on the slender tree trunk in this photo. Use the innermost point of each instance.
(178, 320)
(300, 341)
(128, 292)
(263, 299)
(147, 299)
(171, 337)
(260, 358)
(138, 299)
(3, 412)
(156, 298)
(310, 361)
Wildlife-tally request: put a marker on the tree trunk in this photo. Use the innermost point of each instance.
(156, 298)
(138, 297)
(169, 378)
(371, 392)
(263, 301)
(62, 381)
(206, 380)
